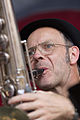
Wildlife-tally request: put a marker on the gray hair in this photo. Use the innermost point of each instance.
(68, 41)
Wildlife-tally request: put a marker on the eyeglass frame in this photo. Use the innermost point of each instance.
(48, 43)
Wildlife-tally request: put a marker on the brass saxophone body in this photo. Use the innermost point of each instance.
(14, 75)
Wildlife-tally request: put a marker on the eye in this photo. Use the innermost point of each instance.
(49, 45)
(31, 51)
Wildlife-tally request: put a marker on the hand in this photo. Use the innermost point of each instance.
(44, 106)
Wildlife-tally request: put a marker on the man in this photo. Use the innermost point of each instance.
(53, 45)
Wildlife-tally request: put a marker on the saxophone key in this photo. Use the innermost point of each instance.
(2, 24)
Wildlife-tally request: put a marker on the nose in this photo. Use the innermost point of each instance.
(38, 55)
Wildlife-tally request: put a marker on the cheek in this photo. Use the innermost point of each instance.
(58, 62)
(52, 60)
(32, 65)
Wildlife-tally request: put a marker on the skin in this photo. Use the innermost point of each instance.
(51, 103)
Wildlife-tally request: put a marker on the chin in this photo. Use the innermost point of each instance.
(45, 87)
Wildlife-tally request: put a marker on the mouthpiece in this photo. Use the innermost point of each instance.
(37, 73)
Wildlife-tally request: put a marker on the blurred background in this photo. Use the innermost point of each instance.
(30, 10)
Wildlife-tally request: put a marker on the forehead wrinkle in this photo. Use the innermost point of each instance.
(43, 34)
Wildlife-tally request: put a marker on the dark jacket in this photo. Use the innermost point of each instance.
(75, 96)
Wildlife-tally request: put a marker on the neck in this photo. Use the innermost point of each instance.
(73, 79)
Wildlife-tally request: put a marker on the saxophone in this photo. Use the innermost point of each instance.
(14, 76)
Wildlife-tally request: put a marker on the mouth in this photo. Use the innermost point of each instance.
(38, 72)
(42, 70)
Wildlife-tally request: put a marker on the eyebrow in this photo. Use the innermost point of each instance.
(47, 41)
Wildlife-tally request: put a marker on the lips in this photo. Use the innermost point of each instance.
(37, 72)
(44, 69)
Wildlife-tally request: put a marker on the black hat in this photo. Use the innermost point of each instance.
(61, 25)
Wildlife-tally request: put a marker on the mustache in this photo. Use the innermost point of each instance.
(41, 64)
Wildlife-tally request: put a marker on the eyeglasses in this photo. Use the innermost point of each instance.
(46, 48)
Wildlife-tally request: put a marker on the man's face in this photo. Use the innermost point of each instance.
(56, 68)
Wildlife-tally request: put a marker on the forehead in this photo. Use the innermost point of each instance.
(44, 34)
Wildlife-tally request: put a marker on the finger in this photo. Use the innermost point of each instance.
(27, 106)
(43, 118)
(36, 114)
(25, 97)
(48, 117)
(22, 98)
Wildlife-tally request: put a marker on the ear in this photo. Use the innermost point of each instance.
(74, 54)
